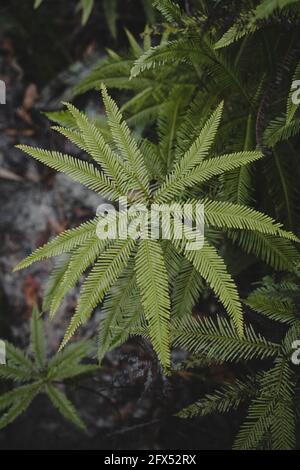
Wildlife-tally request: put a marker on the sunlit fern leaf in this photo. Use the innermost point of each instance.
(64, 406)
(54, 280)
(37, 339)
(152, 280)
(104, 274)
(80, 260)
(219, 340)
(228, 398)
(63, 243)
(94, 143)
(209, 168)
(268, 7)
(81, 171)
(200, 148)
(125, 143)
(227, 215)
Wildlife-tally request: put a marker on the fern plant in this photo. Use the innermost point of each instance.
(151, 175)
(270, 393)
(34, 374)
(200, 60)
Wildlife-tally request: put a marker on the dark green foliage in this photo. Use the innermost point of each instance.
(33, 373)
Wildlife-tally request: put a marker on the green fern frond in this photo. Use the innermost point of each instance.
(81, 171)
(169, 9)
(220, 341)
(21, 401)
(279, 129)
(271, 411)
(277, 252)
(40, 375)
(273, 303)
(104, 274)
(125, 143)
(54, 280)
(228, 398)
(64, 406)
(213, 269)
(227, 215)
(152, 280)
(204, 172)
(81, 259)
(63, 243)
(121, 302)
(241, 28)
(187, 287)
(100, 150)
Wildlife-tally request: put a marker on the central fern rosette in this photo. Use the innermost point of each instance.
(146, 284)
